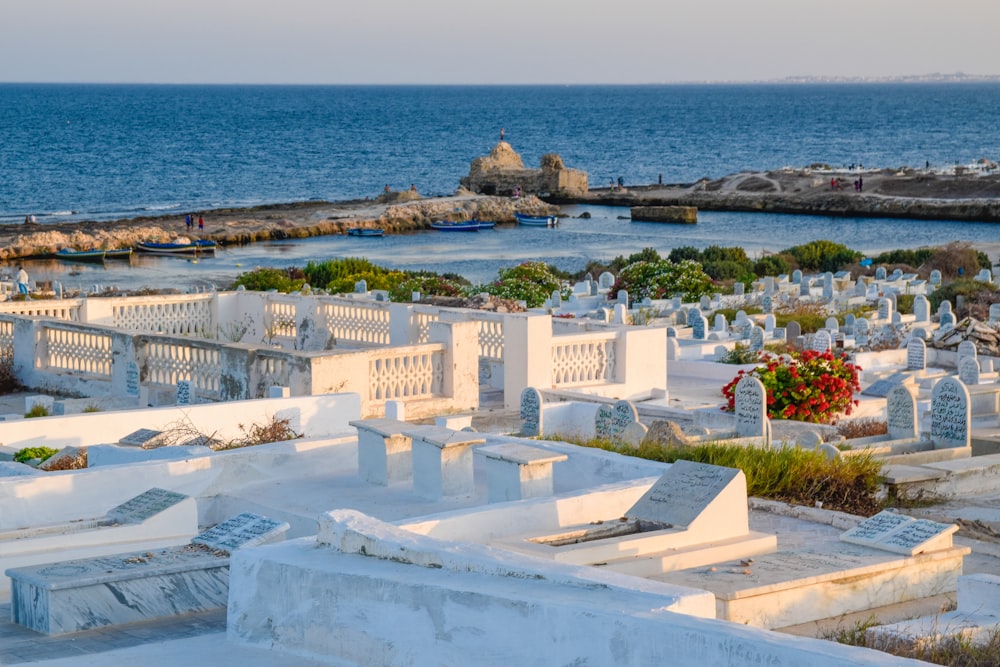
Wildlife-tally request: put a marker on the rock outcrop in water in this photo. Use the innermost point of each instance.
(502, 172)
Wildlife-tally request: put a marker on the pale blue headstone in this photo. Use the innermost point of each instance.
(750, 408)
(738, 288)
(361, 287)
(968, 370)
(985, 276)
(769, 322)
(995, 313)
(720, 323)
(706, 303)
(804, 287)
(531, 412)
(832, 324)
(896, 275)
(792, 331)
(184, 392)
(921, 309)
(767, 304)
(681, 317)
(901, 413)
(741, 317)
(950, 414)
(945, 307)
(606, 280)
(967, 349)
(884, 309)
(827, 285)
(796, 277)
(935, 278)
(623, 297)
(861, 331)
(556, 299)
(131, 379)
(671, 332)
(756, 339)
(916, 355)
(946, 321)
(821, 341)
(698, 325)
(880, 273)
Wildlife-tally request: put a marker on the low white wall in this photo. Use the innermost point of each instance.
(363, 610)
(312, 416)
(73, 494)
(708, 370)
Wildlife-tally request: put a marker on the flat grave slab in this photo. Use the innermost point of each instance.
(830, 578)
(81, 594)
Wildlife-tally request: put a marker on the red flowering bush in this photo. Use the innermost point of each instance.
(805, 386)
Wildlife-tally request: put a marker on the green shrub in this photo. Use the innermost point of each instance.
(823, 256)
(37, 410)
(266, 279)
(678, 255)
(531, 282)
(740, 354)
(663, 279)
(31, 453)
(770, 265)
(427, 285)
(915, 258)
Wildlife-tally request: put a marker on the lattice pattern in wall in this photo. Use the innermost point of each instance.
(584, 362)
(423, 320)
(279, 321)
(491, 339)
(356, 322)
(80, 352)
(406, 375)
(168, 363)
(6, 341)
(179, 318)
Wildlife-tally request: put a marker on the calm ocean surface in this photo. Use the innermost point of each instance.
(74, 152)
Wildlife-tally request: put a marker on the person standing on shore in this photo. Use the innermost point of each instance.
(503, 131)
(861, 183)
(201, 224)
(188, 223)
(22, 280)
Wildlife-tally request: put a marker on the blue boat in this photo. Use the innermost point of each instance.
(361, 231)
(178, 247)
(459, 226)
(536, 220)
(69, 254)
(484, 225)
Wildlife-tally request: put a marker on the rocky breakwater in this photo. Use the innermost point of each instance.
(912, 194)
(394, 212)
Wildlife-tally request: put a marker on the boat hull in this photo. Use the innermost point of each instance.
(446, 226)
(365, 232)
(94, 256)
(536, 220)
(177, 248)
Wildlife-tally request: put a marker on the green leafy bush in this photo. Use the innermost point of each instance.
(266, 279)
(31, 453)
(427, 285)
(823, 256)
(663, 279)
(531, 282)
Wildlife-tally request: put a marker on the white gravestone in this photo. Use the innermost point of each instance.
(145, 506)
(796, 277)
(769, 323)
(967, 349)
(242, 530)
(968, 370)
(531, 412)
(946, 321)
(602, 421)
(901, 413)
(921, 308)
(184, 393)
(821, 341)
(694, 495)
(901, 534)
(950, 414)
(606, 280)
(623, 413)
(884, 309)
(132, 379)
(750, 408)
(698, 325)
(756, 339)
(994, 313)
(861, 329)
(935, 278)
(916, 355)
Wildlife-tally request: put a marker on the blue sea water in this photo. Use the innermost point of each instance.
(100, 152)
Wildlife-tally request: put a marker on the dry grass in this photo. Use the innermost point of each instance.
(862, 428)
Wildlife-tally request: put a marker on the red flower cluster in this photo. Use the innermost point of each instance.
(807, 386)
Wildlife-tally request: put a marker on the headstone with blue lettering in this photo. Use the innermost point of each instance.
(698, 325)
(967, 349)
(750, 408)
(184, 392)
(821, 341)
(531, 412)
(901, 413)
(921, 309)
(861, 331)
(756, 339)
(950, 414)
(767, 303)
(916, 355)
(884, 309)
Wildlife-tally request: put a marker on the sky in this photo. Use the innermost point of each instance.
(475, 42)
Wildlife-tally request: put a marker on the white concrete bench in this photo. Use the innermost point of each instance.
(442, 461)
(384, 452)
(515, 471)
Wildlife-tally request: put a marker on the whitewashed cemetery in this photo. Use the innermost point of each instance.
(426, 508)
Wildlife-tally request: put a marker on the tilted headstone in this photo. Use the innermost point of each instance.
(968, 370)
(144, 437)
(901, 413)
(698, 325)
(667, 433)
(967, 349)
(145, 506)
(691, 495)
(935, 278)
(756, 339)
(916, 355)
(821, 341)
(243, 530)
(881, 388)
(950, 414)
(531, 412)
(750, 408)
(921, 309)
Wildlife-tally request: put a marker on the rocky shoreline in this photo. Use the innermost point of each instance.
(907, 194)
(889, 194)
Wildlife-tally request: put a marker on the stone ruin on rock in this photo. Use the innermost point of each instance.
(502, 172)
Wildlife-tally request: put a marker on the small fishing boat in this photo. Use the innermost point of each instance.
(69, 254)
(181, 246)
(536, 220)
(361, 231)
(485, 225)
(118, 253)
(453, 226)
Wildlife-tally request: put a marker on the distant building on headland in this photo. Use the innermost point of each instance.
(502, 172)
